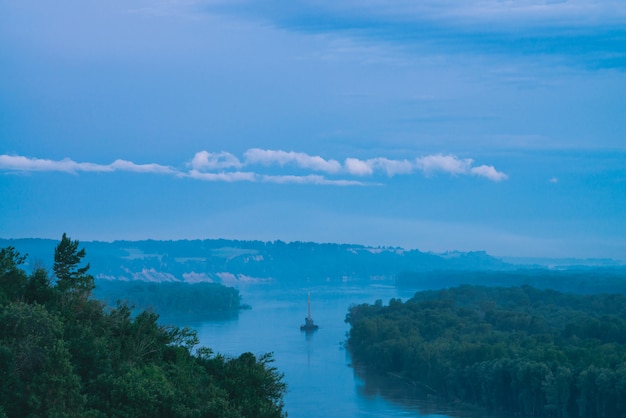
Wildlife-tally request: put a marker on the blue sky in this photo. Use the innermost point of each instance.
(437, 125)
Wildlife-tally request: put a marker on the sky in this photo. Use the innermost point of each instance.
(438, 125)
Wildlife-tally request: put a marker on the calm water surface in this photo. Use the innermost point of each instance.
(317, 367)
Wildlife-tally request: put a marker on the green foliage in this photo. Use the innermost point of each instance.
(252, 384)
(12, 278)
(63, 354)
(198, 300)
(512, 350)
(38, 288)
(38, 375)
(71, 277)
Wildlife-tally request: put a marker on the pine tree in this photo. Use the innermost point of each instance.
(71, 277)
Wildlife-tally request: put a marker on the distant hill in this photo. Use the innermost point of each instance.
(573, 279)
(232, 262)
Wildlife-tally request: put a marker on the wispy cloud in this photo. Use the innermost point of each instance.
(228, 177)
(369, 167)
(282, 158)
(392, 167)
(587, 11)
(357, 167)
(559, 12)
(123, 165)
(205, 160)
(20, 163)
(444, 163)
(523, 12)
(488, 172)
(311, 179)
(227, 167)
(586, 33)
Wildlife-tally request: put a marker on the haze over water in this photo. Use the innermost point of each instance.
(317, 367)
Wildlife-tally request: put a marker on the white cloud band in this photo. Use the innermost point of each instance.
(20, 163)
(282, 158)
(205, 160)
(226, 167)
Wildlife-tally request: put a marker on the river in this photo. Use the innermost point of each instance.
(321, 381)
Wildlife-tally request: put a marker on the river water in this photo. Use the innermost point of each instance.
(321, 381)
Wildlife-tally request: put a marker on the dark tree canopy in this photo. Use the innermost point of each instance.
(516, 351)
(12, 279)
(64, 354)
(70, 276)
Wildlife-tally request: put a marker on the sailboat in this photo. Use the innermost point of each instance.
(309, 325)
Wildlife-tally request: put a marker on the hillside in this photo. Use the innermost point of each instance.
(64, 354)
(233, 262)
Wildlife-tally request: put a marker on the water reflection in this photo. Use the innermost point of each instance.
(406, 395)
(316, 365)
(183, 319)
(308, 337)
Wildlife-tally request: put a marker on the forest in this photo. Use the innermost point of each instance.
(65, 353)
(197, 301)
(511, 350)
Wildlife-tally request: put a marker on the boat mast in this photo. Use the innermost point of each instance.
(309, 325)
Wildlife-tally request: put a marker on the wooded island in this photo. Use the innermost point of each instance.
(514, 351)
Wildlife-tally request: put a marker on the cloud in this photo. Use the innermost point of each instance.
(311, 179)
(577, 32)
(123, 165)
(226, 167)
(446, 163)
(20, 163)
(392, 167)
(524, 12)
(358, 167)
(204, 160)
(228, 177)
(368, 167)
(488, 172)
(282, 158)
(553, 180)
(453, 165)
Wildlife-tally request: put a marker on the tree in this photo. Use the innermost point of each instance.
(62, 354)
(252, 384)
(35, 365)
(70, 276)
(12, 278)
(563, 355)
(38, 288)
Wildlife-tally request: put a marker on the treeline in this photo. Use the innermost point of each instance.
(514, 351)
(63, 353)
(576, 279)
(198, 300)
